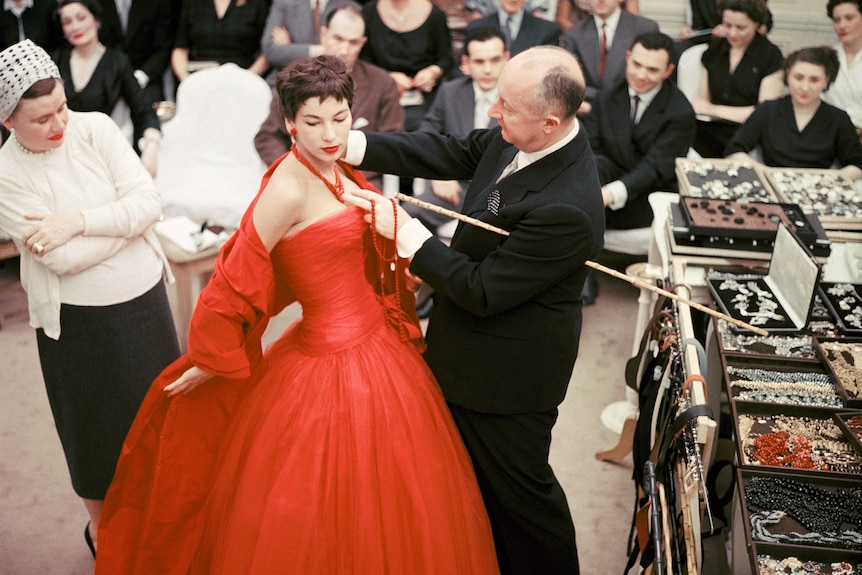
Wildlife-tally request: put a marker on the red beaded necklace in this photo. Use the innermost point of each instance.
(337, 188)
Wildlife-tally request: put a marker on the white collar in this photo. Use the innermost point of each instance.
(17, 10)
(647, 97)
(612, 22)
(479, 94)
(525, 158)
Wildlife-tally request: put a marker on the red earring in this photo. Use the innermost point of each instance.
(292, 131)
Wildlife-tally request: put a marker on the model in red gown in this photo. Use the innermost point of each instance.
(333, 452)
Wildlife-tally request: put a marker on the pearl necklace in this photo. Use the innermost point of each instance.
(336, 188)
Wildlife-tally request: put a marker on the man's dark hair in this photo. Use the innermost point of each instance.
(337, 6)
(481, 34)
(655, 41)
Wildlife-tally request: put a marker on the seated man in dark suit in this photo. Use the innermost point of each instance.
(637, 129)
(375, 105)
(520, 29)
(600, 42)
(145, 32)
(461, 106)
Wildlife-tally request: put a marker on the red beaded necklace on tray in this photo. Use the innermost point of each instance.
(337, 190)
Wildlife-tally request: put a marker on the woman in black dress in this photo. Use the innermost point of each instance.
(97, 77)
(740, 70)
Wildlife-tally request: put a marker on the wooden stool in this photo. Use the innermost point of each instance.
(186, 268)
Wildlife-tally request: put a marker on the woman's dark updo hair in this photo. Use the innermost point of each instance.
(756, 10)
(92, 5)
(321, 77)
(833, 3)
(823, 56)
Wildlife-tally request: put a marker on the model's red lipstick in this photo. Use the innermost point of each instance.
(331, 149)
(56, 137)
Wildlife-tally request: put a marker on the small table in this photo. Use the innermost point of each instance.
(186, 268)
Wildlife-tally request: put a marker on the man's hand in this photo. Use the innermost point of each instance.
(280, 36)
(383, 210)
(449, 190)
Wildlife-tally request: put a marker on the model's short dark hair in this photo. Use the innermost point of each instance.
(756, 10)
(830, 6)
(481, 34)
(321, 77)
(655, 41)
(92, 5)
(823, 56)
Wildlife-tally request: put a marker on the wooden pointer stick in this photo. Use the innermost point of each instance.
(634, 281)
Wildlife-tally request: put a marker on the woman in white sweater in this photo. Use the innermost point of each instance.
(81, 208)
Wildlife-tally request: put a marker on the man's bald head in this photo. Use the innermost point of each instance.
(556, 76)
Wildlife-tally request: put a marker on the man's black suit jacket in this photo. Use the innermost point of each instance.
(39, 24)
(149, 37)
(503, 334)
(534, 31)
(642, 156)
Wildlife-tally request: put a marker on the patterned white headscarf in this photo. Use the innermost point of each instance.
(22, 65)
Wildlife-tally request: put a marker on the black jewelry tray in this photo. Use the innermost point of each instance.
(844, 306)
(789, 524)
(796, 347)
(852, 398)
(779, 366)
(789, 286)
(853, 435)
(766, 410)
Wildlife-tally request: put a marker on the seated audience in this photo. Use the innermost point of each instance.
(800, 130)
(30, 20)
(519, 27)
(96, 77)
(375, 105)
(460, 107)
(570, 12)
(846, 90)
(740, 70)
(145, 31)
(410, 40)
(637, 129)
(293, 31)
(600, 43)
(214, 32)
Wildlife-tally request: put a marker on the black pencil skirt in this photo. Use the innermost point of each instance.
(96, 376)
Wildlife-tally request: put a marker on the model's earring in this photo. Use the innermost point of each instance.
(292, 132)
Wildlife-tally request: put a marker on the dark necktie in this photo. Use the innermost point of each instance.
(636, 100)
(507, 32)
(604, 55)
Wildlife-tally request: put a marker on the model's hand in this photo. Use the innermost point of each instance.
(449, 190)
(52, 231)
(193, 377)
(383, 210)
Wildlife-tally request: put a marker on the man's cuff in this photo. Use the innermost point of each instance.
(142, 78)
(411, 237)
(620, 194)
(356, 146)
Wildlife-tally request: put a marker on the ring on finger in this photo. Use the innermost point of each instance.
(38, 247)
